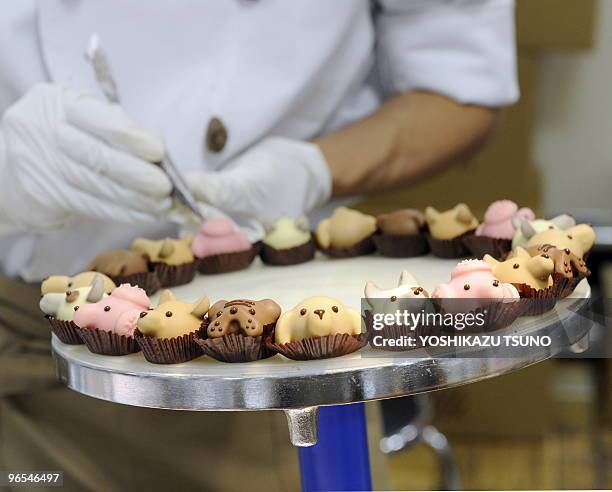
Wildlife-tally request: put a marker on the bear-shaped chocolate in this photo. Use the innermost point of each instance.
(63, 306)
(451, 223)
(345, 228)
(390, 300)
(578, 239)
(173, 318)
(117, 313)
(169, 251)
(522, 268)
(61, 283)
(525, 229)
(566, 263)
(286, 233)
(315, 317)
(120, 263)
(242, 316)
(402, 222)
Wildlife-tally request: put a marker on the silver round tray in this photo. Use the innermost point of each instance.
(279, 383)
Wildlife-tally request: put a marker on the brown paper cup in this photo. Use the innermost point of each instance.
(168, 350)
(391, 331)
(364, 247)
(175, 275)
(148, 281)
(319, 348)
(401, 246)
(478, 246)
(237, 347)
(290, 256)
(449, 248)
(565, 286)
(66, 331)
(498, 315)
(106, 343)
(539, 301)
(227, 262)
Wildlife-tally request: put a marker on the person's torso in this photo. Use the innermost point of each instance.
(269, 67)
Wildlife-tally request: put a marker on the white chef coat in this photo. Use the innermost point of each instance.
(298, 69)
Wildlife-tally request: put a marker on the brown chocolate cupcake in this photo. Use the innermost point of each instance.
(536, 302)
(401, 234)
(449, 248)
(66, 331)
(107, 343)
(346, 233)
(237, 330)
(364, 247)
(127, 267)
(227, 262)
(290, 256)
(320, 348)
(478, 246)
(168, 350)
(175, 275)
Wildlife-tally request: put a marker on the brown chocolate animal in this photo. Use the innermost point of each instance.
(241, 316)
(566, 263)
(402, 222)
(120, 263)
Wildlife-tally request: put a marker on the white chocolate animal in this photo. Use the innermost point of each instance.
(522, 268)
(315, 317)
(577, 240)
(525, 230)
(62, 306)
(387, 301)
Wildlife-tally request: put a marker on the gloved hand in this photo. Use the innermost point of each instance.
(276, 177)
(64, 155)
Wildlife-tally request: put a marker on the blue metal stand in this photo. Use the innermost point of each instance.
(339, 460)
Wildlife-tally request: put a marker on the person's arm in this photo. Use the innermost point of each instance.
(411, 136)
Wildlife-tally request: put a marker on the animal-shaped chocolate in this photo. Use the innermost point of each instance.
(522, 268)
(345, 228)
(169, 251)
(61, 283)
(401, 222)
(120, 263)
(117, 313)
(566, 263)
(63, 306)
(286, 233)
(241, 316)
(173, 318)
(317, 316)
(500, 218)
(474, 279)
(524, 229)
(578, 239)
(389, 300)
(219, 236)
(451, 223)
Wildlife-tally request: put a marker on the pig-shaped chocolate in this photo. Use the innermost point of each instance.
(500, 218)
(169, 251)
(525, 229)
(522, 268)
(474, 279)
(316, 317)
(61, 283)
(173, 318)
(451, 223)
(390, 300)
(63, 306)
(117, 313)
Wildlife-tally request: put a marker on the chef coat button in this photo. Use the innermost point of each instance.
(216, 135)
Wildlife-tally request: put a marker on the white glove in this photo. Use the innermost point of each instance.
(67, 156)
(276, 177)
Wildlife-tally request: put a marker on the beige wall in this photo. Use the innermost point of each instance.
(573, 124)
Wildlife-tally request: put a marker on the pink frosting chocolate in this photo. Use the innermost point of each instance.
(218, 236)
(117, 313)
(473, 279)
(498, 219)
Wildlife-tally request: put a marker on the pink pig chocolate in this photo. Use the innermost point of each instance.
(500, 218)
(473, 279)
(218, 236)
(117, 313)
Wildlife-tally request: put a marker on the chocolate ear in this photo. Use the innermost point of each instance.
(527, 230)
(303, 223)
(516, 222)
(201, 307)
(463, 213)
(166, 248)
(406, 278)
(564, 221)
(187, 239)
(431, 215)
(97, 289)
(372, 291)
(166, 296)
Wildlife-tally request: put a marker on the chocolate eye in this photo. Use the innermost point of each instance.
(495, 283)
(569, 236)
(252, 311)
(335, 309)
(567, 251)
(545, 256)
(107, 308)
(466, 287)
(515, 266)
(303, 311)
(219, 313)
(69, 284)
(68, 293)
(168, 314)
(551, 227)
(393, 299)
(233, 310)
(76, 308)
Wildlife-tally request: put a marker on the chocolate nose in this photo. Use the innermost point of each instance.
(319, 313)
